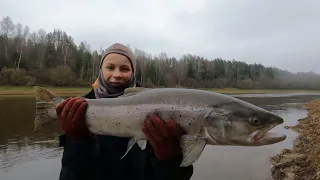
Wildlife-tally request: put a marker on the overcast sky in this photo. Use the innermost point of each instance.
(284, 34)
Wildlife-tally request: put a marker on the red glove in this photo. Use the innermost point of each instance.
(71, 116)
(164, 137)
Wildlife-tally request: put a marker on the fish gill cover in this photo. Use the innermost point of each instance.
(303, 160)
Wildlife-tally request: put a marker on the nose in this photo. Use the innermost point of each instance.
(117, 74)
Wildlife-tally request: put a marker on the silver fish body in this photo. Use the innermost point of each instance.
(124, 116)
(206, 117)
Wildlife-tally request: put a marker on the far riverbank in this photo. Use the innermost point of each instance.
(28, 90)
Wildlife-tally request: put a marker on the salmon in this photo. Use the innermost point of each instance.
(208, 118)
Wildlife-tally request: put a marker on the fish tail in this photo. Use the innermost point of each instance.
(46, 102)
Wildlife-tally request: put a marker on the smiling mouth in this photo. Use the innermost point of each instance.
(115, 83)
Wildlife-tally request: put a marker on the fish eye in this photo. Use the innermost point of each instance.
(255, 121)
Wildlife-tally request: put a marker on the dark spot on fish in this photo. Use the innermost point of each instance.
(180, 115)
(171, 107)
(92, 112)
(189, 123)
(191, 108)
(155, 109)
(137, 108)
(102, 109)
(114, 113)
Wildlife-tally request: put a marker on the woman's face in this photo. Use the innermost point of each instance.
(116, 69)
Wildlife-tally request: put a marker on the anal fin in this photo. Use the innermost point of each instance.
(192, 147)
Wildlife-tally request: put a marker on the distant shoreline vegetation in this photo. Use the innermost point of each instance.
(30, 57)
(28, 90)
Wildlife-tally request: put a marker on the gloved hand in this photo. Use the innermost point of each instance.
(71, 116)
(164, 137)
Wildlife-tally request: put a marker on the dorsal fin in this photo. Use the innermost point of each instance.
(133, 90)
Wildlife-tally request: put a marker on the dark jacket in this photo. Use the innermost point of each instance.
(100, 159)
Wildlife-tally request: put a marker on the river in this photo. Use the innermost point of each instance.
(29, 155)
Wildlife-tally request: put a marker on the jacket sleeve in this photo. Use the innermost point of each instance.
(78, 160)
(170, 169)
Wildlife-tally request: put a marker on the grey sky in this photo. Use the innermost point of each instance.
(284, 34)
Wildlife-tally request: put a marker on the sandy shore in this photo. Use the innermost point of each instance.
(303, 160)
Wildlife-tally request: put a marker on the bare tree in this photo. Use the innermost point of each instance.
(180, 71)
(57, 35)
(162, 58)
(7, 30)
(142, 58)
(65, 48)
(87, 52)
(209, 66)
(95, 64)
(84, 47)
(22, 38)
(42, 41)
(199, 68)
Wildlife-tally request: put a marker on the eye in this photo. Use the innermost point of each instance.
(255, 121)
(125, 68)
(109, 67)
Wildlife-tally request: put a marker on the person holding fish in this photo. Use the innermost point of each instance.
(91, 156)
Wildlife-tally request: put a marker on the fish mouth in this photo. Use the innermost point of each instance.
(263, 137)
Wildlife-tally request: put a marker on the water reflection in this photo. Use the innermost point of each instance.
(25, 154)
(15, 154)
(19, 144)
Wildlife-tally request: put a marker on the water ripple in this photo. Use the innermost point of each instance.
(15, 153)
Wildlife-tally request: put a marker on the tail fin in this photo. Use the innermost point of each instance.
(46, 102)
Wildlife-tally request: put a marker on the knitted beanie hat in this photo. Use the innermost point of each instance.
(123, 50)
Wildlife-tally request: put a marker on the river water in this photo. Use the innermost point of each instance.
(29, 155)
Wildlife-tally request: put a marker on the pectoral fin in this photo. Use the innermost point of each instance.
(192, 147)
(141, 143)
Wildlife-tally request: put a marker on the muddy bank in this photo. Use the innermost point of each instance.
(303, 160)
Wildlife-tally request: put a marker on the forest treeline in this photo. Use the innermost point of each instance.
(52, 58)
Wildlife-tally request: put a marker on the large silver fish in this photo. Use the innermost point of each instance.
(206, 117)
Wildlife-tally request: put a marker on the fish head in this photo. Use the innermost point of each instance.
(243, 124)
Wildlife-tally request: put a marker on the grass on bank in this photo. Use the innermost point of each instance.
(28, 90)
(302, 160)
